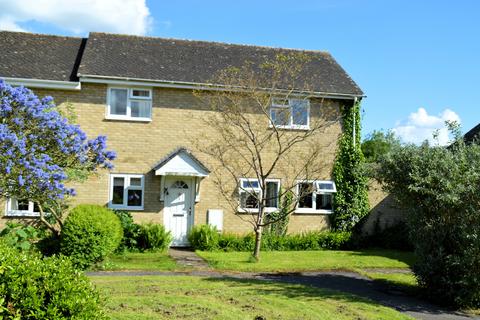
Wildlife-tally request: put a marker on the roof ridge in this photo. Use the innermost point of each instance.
(41, 34)
(324, 52)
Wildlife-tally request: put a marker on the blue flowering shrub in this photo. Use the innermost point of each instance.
(90, 233)
(41, 150)
(32, 287)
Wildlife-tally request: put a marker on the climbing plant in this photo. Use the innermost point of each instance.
(351, 199)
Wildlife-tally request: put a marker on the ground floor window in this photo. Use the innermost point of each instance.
(316, 196)
(126, 191)
(21, 208)
(250, 194)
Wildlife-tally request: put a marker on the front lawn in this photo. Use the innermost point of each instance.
(182, 297)
(136, 261)
(292, 261)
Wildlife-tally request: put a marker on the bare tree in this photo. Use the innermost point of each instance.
(262, 132)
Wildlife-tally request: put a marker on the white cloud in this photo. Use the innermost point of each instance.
(420, 126)
(78, 16)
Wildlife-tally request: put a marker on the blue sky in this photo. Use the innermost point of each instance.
(417, 61)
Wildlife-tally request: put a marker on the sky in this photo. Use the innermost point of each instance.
(416, 60)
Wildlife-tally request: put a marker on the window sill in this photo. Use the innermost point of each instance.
(255, 210)
(122, 118)
(21, 214)
(292, 128)
(114, 207)
(312, 211)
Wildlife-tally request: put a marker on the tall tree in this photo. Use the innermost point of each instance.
(262, 130)
(40, 152)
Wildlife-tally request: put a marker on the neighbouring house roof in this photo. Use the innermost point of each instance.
(38, 56)
(181, 162)
(473, 134)
(113, 56)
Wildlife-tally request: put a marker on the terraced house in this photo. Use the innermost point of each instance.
(139, 92)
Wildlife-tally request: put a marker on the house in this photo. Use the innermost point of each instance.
(473, 135)
(138, 91)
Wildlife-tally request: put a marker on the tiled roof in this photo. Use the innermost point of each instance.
(47, 57)
(196, 61)
(473, 135)
(38, 56)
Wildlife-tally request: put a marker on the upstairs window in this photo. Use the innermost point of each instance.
(126, 191)
(250, 194)
(129, 104)
(21, 208)
(290, 113)
(316, 196)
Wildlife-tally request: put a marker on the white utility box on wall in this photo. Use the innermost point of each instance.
(215, 218)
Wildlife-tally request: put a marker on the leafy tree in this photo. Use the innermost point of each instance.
(439, 187)
(249, 144)
(40, 151)
(377, 144)
(351, 200)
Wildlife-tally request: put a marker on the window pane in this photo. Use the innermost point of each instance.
(35, 207)
(306, 196)
(118, 190)
(21, 205)
(324, 201)
(137, 182)
(272, 194)
(140, 93)
(280, 116)
(249, 200)
(325, 186)
(140, 109)
(134, 198)
(299, 112)
(250, 184)
(118, 101)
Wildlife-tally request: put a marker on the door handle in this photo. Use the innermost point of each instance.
(190, 211)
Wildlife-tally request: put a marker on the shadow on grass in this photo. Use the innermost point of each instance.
(406, 257)
(341, 287)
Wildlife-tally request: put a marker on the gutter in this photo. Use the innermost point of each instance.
(41, 83)
(196, 86)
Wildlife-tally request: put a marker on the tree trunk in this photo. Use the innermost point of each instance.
(258, 243)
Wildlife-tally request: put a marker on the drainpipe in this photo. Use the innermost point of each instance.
(354, 122)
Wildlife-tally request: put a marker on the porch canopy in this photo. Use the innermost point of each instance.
(181, 162)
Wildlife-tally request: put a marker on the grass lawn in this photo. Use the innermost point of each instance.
(135, 261)
(182, 297)
(291, 261)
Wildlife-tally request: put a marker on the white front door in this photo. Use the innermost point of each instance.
(178, 211)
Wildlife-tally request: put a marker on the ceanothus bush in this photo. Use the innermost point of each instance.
(40, 150)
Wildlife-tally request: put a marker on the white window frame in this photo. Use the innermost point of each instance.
(130, 98)
(315, 192)
(259, 190)
(9, 212)
(289, 106)
(126, 187)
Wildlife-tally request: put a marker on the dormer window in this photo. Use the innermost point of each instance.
(290, 113)
(129, 104)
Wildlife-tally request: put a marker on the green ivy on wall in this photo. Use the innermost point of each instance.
(351, 199)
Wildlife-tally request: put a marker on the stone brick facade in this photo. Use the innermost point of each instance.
(139, 145)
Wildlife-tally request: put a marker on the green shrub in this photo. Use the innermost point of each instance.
(153, 236)
(89, 234)
(19, 236)
(131, 232)
(48, 288)
(395, 237)
(204, 237)
(440, 190)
